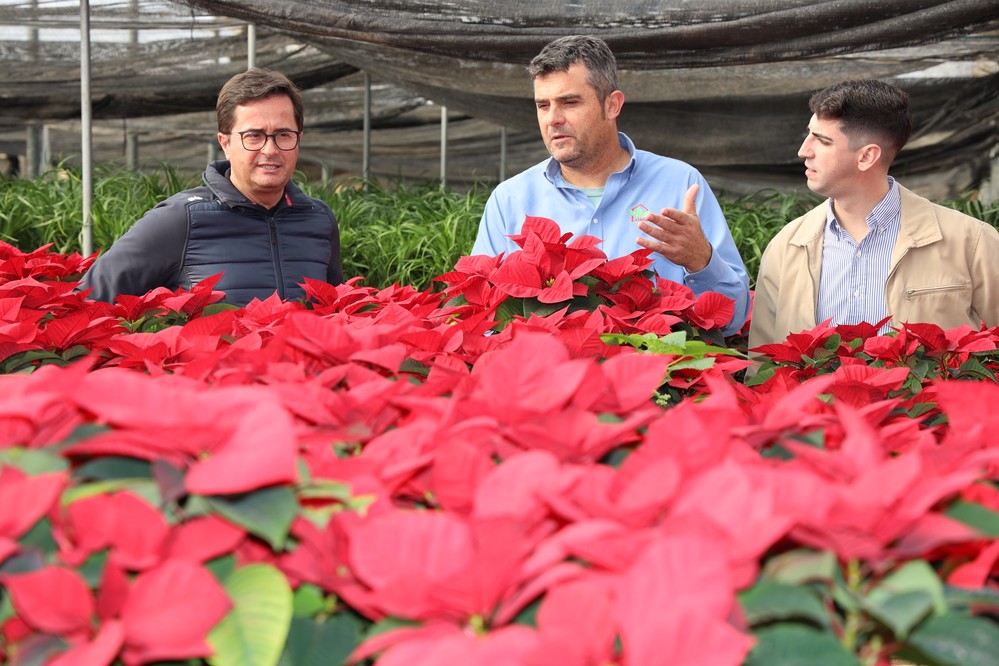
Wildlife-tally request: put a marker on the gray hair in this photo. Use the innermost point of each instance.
(593, 52)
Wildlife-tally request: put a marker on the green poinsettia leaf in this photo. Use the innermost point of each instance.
(982, 600)
(6, 608)
(790, 644)
(255, 630)
(267, 513)
(973, 369)
(326, 489)
(215, 308)
(40, 537)
(309, 601)
(33, 461)
(28, 360)
(692, 364)
(389, 624)
(513, 307)
(906, 597)
(767, 602)
(40, 649)
(954, 640)
(221, 567)
(85, 431)
(587, 303)
(108, 468)
(673, 344)
(144, 488)
(414, 367)
(983, 519)
(901, 612)
(312, 643)
(802, 566)
(93, 568)
(767, 370)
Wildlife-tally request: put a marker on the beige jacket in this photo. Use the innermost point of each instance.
(943, 271)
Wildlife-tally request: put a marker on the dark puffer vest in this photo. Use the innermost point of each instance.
(214, 229)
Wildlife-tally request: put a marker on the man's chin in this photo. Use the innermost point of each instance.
(565, 157)
(813, 186)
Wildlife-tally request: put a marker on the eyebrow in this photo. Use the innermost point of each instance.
(819, 135)
(560, 98)
(262, 131)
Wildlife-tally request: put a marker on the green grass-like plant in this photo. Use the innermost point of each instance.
(407, 235)
(399, 234)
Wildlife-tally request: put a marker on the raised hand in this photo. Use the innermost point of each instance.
(676, 234)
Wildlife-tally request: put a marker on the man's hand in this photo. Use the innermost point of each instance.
(676, 234)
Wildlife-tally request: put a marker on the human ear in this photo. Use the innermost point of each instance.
(869, 156)
(613, 104)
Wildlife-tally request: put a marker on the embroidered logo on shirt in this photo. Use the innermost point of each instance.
(638, 212)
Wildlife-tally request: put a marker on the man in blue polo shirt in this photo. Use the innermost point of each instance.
(597, 183)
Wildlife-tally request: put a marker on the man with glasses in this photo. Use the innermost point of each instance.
(247, 221)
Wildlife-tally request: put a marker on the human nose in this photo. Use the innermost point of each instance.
(805, 150)
(553, 116)
(270, 146)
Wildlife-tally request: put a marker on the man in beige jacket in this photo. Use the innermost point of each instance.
(874, 250)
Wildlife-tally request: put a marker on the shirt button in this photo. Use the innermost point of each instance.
(595, 220)
(856, 294)
(857, 255)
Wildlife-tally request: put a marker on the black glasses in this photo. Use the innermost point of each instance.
(255, 139)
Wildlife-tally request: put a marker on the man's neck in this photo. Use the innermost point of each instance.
(596, 173)
(853, 209)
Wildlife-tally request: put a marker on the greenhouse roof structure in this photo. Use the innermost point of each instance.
(722, 84)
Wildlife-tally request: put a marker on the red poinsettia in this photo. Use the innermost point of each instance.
(546, 267)
(25, 499)
(798, 345)
(882, 503)
(237, 440)
(41, 264)
(128, 527)
(164, 614)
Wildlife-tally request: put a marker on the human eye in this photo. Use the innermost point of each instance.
(286, 135)
(252, 135)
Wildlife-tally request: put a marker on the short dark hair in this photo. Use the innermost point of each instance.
(868, 109)
(256, 83)
(593, 52)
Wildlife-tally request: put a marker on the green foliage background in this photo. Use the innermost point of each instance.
(405, 235)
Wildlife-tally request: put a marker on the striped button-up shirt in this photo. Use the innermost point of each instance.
(852, 284)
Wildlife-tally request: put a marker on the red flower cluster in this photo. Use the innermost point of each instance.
(479, 487)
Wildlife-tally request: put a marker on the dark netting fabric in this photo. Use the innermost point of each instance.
(722, 84)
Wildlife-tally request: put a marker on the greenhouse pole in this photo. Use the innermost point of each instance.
(443, 147)
(86, 122)
(251, 46)
(502, 164)
(366, 133)
(33, 141)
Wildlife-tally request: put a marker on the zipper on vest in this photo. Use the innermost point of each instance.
(276, 256)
